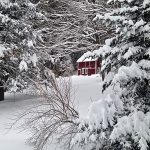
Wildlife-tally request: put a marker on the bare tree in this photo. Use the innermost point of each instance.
(70, 28)
(54, 116)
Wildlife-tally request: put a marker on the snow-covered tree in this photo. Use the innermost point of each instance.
(122, 119)
(18, 38)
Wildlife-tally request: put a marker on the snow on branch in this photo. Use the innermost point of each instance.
(100, 116)
(125, 74)
(132, 51)
(136, 125)
(2, 50)
(145, 64)
(108, 16)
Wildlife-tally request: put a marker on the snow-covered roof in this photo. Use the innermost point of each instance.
(88, 56)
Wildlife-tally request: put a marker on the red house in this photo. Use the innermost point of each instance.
(88, 64)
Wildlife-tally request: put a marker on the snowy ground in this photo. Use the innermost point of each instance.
(86, 89)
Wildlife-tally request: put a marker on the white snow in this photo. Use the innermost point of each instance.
(126, 9)
(88, 56)
(34, 59)
(127, 73)
(108, 16)
(14, 86)
(137, 124)
(2, 49)
(132, 51)
(13, 140)
(30, 44)
(100, 115)
(129, 1)
(146, 2)
(4, 2)
(144, 64)
(109, 41)
(86, 90)
(139, 24)
(23, 66)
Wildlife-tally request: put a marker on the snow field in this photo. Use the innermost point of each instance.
(85, 90)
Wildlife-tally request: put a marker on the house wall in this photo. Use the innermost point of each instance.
(91, 71)
(87, 68)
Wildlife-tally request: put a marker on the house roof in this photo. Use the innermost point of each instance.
(88, 56)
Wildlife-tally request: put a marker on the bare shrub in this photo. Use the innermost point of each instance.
(53, 117)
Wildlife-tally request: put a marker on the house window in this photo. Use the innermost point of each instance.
(79, 71)
(86, 71)
(81, 64)
(87, 64)
(82, 70)
(92, 64)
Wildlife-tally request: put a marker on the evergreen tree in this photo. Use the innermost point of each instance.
(122, 120)
(18, 38)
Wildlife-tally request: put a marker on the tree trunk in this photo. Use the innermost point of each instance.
(103, 76)
(1, 92)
